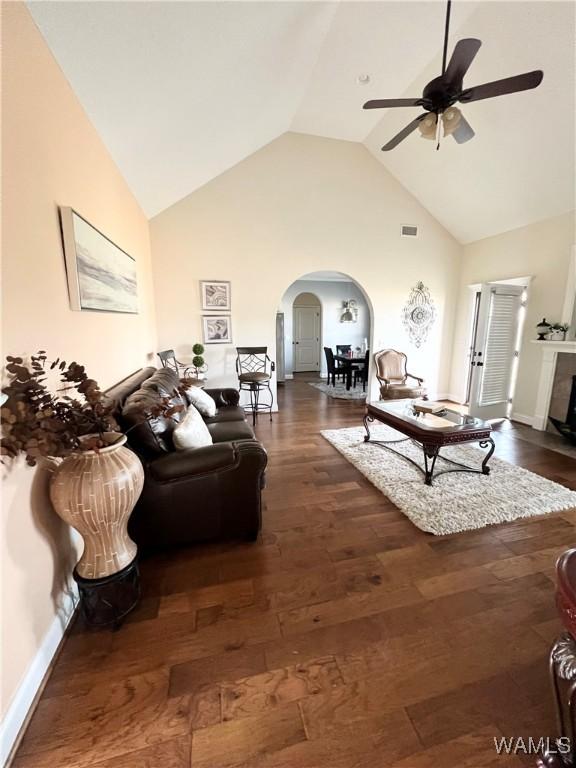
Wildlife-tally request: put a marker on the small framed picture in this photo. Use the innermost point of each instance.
(217, 329)
(215, 295)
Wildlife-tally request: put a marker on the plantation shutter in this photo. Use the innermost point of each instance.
(496, 348)
(500, 349)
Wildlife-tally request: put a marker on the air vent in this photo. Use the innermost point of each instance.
(409, 230)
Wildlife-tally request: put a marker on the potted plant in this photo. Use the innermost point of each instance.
(198, 361)
(97, 481)
(558, 332)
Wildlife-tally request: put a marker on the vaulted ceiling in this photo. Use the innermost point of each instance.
(182, 91)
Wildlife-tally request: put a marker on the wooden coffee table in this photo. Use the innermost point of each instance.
(431, 432)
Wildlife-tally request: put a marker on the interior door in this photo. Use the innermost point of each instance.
(495, 350)
(306, 339)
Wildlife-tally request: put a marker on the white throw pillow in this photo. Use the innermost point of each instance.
(191, 432)
(203, 402)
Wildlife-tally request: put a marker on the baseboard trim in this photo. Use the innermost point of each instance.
(521, 418)
(449, 398)
(31, 687)
(288, 375)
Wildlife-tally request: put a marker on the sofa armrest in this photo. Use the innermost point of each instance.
(224, 397)
(193, 461)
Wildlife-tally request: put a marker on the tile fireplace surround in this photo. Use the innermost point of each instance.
(550, 352)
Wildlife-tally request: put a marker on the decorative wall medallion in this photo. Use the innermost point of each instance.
(419, 314)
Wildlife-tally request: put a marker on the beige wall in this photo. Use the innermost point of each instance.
(541, 251)
(301, 204)
(52, 156)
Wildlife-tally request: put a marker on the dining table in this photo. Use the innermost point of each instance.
(348, 363)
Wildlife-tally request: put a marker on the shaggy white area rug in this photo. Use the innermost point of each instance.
(339, 392)
(458, 501)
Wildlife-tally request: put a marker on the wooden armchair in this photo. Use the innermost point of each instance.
(391, 372)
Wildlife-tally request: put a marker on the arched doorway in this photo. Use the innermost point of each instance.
(346, 318)
(306, 333)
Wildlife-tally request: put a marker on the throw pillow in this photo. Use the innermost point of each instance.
(201, 400)
(191, 432)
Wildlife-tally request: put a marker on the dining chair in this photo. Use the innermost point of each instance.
(168, 360)
(361, 374)
(343, 349)
(334, 369)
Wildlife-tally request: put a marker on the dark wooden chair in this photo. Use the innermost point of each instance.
(168, 360)
(361, 374)
(254, 369)
(334, 370)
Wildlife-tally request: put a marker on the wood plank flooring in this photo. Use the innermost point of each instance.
(344, 637)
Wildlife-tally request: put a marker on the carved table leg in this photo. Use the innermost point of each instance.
(483, 444)
(563, 679)
(430, 452)
(367, 420)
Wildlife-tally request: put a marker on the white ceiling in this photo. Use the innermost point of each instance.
(182, 91)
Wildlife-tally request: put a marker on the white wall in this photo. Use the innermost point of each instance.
(302, 204)
(542, 251)
(331, 294)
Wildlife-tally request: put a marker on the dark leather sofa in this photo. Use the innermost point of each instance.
(191, 495)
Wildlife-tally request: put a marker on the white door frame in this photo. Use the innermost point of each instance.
(317, 308)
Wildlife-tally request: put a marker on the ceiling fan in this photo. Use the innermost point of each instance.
(440, 95)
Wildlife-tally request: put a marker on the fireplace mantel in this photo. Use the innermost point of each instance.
(550, 352)
(557, 346)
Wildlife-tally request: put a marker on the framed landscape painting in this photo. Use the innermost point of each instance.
(215, 295)
(217, 329)
(101, 276)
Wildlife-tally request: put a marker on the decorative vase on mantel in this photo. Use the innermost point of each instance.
(542, 329)
(95, 491)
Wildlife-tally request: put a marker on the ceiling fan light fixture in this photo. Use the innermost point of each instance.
(427, 126)
(441, 92)
(451, 119)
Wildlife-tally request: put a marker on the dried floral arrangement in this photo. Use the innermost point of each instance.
(38, 421)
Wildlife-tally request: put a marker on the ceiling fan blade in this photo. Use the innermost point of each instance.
(403, 133)
(385, 103)
(501, 87)
(464, 132)
(462, 57)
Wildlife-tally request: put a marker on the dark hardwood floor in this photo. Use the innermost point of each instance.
(345, 637)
